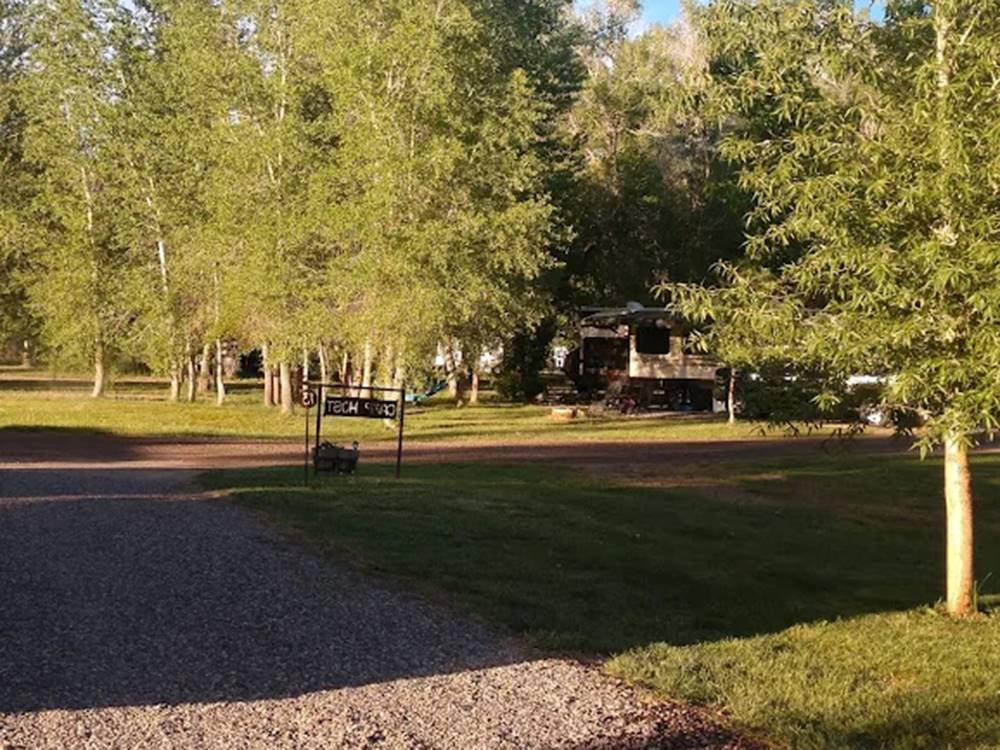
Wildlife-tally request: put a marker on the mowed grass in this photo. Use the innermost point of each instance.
(794, 596)
(140, 408)
(906, 680)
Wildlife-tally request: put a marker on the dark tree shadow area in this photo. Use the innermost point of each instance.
(157, 597)
(54, 444)
(599, 563)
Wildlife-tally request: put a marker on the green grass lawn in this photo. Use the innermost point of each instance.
(139, 408)
(793, 596)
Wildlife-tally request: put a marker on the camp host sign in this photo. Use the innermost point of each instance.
(369, 408)
(340, 404)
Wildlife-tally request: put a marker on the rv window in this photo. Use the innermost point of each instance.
(650, 340)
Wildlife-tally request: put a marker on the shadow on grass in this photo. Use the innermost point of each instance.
(574, 562)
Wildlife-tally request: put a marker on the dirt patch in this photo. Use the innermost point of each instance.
(656, 458)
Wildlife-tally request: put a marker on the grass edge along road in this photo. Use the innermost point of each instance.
(793, 596)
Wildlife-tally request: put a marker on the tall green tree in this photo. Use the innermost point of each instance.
(174, 109)
(439, 219)
(81, 267)
(17, 323)
(652, 198)
(872, 153)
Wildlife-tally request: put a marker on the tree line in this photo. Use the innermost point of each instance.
(361, 183)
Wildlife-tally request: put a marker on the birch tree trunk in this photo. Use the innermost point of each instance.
(398, 378)
(958, 502)
(285, 371)
(220, 372)
(204, 368)
(451, 371)
(324, 366)
(399, 373)
(100, 370)
(192, 385)
(345, 368)
(268, 369)
(731, 396)
(175, 382)
(305, 364)
(366, 370)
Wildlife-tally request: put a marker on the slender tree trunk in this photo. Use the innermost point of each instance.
(100, 371)
(345, 368)
(474, 389)
(958, 501)
(398, 378)
(324, 366)
(366, 370)
(204, 368)
(220, 373)
(285, 370)
(451, 371)
(731, 396)
(175, 381)
(399, 373)
(386, 366)
(957, 484)
(192, 384)
(268, 369)
(27, 360)
(305, 364)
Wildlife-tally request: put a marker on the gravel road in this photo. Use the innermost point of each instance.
(137, 613)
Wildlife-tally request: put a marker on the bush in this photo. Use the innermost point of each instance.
(513, 386)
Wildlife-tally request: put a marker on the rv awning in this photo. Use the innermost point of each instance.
(610, 317)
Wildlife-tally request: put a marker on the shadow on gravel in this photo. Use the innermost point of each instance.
(54, 444)
(118, 589)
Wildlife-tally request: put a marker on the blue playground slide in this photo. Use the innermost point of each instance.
(419, 396)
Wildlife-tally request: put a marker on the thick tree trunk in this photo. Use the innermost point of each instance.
(220, 372)
(100, 371)
(285, 371)
(474, 389)
(731, 397)
(204, 368)
(958, 501)
(268, 376)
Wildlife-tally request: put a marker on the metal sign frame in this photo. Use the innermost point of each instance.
(314, 395)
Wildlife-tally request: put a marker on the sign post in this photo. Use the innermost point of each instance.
(345, 405)
(308, 401)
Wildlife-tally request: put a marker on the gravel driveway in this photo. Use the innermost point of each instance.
(137, 613)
